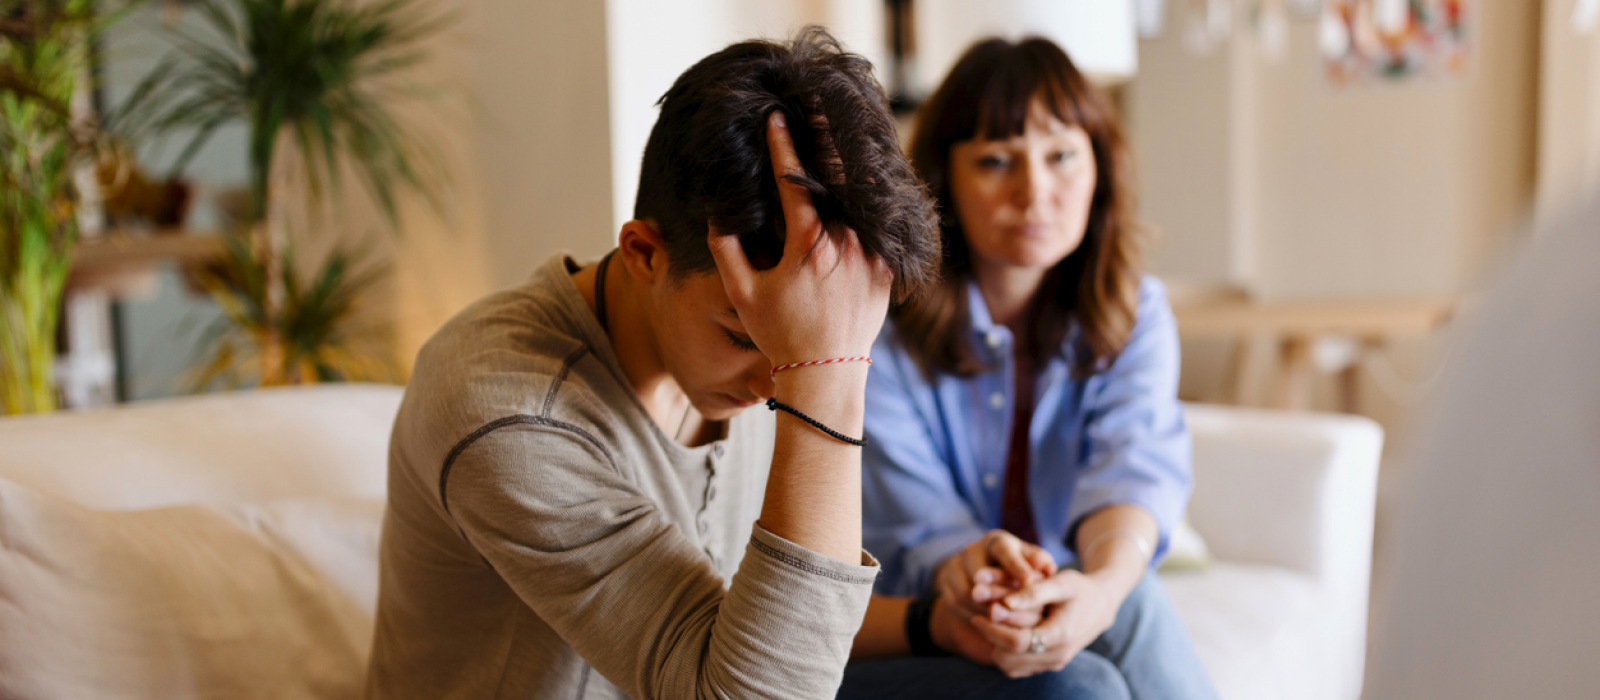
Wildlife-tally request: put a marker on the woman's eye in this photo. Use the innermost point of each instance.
(740, 343)
(1058, 157)
(993, 163)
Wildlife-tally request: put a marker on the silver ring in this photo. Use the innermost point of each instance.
(1036, 646)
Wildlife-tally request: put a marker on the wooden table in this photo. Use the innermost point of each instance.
(1296, 326)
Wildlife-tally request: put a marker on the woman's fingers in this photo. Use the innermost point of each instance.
(1007, 551)
(1040, 560)
(990, 584)
(801, 223)
(1015, 618)
(1055, 634)
(1055, 589)
(1005, 638)
(955, 586)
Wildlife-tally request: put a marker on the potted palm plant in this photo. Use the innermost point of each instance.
(320, 77)
(43, 55)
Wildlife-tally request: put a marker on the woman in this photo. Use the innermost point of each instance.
(1027, 457)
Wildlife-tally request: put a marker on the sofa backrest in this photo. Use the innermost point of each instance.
(247, 447)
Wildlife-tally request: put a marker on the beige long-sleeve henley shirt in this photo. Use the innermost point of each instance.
(545, 539)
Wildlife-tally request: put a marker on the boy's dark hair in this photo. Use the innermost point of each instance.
(706, 162)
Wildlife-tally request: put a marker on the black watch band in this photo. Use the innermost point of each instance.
(919, 618)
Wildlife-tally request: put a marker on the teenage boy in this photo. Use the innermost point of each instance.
(579, 503)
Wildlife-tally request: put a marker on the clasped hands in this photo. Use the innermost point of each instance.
(1003, 602)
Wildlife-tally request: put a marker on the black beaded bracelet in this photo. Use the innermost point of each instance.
(919, 627)
(776, 405)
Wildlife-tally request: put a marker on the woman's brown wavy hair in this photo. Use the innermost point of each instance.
(1095, 288)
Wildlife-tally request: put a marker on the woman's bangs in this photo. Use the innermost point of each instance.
(1010, 92)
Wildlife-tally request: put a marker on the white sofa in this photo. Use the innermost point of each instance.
(226, 546)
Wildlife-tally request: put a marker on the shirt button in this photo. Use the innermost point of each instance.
(705, 527)
(717, 449)
(711, 494)
(991, 480)
(994, 339)
(997, 400)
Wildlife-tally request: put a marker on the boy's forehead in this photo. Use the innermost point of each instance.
(705, 289)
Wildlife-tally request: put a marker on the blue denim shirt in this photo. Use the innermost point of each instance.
(934, 466)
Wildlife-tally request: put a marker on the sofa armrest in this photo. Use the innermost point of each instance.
(1295, 490)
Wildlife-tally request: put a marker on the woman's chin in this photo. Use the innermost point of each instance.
(1035, 257)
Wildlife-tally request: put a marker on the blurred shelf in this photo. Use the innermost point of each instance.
(1297, 327)
(1371, 318)
(125, 264)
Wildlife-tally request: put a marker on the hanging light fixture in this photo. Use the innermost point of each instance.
(1150, 16)
(1207, 24)
(1272, 30)
(1333, 36)
(1391, 16)
(1306, 9)
(1586, 16)
(1100, 35)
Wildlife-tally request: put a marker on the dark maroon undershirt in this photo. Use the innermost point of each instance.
(1016, 515)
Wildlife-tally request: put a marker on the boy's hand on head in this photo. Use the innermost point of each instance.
(826, 298)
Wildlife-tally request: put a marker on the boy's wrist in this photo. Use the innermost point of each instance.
(836, 380)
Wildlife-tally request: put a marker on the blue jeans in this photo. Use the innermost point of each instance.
(1145, 655)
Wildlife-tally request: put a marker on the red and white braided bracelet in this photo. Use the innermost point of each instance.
(792, 365)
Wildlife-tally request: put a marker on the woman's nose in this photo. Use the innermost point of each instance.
(1034, 182)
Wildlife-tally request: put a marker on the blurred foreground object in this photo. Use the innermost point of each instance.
(1492, 569)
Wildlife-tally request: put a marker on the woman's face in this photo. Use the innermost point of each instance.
(1024, 201)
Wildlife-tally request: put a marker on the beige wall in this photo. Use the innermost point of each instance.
(546, 111)
(1179, 111)
(1263, 174)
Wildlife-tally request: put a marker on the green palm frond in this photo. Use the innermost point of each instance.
(314, 71)
(320, 327)
(323, 77)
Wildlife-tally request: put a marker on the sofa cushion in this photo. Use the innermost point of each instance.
(190, 601)
(1255, 628)
(251, 446)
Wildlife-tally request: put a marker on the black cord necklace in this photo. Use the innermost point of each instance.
(600, 291)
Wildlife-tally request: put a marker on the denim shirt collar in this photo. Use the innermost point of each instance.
(984, 330)
(988, 334)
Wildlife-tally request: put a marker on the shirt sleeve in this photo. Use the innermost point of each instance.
(1138, 448)
(914, 516)
(595, 559)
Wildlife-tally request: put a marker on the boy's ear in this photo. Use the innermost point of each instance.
(643, 251)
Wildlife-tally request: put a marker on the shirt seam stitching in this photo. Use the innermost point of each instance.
(561, 378)
(521, 418)
(806, 566)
